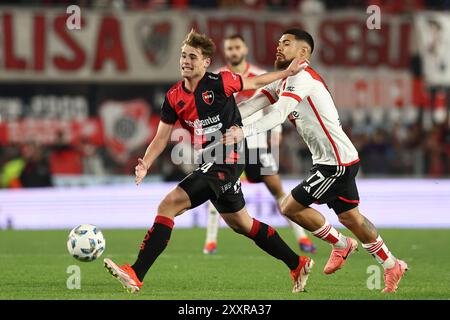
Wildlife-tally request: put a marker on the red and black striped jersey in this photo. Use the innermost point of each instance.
(249, 72)
(208, 111)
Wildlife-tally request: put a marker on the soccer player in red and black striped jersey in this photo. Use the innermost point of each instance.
(204, 104)
(260, 165)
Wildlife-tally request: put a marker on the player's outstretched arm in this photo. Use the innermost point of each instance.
(155, 148)
(259, 81)
(257, 102)
(282, 108)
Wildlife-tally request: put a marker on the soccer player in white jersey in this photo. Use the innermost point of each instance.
(260, 165)
(306, 100)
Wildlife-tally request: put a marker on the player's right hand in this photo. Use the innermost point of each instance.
(140, 171)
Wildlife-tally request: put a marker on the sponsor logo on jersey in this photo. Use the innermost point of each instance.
(290, 89)
(205, 126)
(294, 115)
(208, 130)
(200, 123)
(208, 97)
(307, 188)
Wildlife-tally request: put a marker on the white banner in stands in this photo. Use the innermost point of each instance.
(388, 203)
(363, 68)
(139, 46)
(433, 30)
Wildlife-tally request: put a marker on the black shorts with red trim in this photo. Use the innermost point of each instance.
(219, 183)
(333, 185)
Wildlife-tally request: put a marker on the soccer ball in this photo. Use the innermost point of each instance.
(86, 243)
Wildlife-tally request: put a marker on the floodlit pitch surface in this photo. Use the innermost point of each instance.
(34, 265)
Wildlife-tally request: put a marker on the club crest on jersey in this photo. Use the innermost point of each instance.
(208, 97)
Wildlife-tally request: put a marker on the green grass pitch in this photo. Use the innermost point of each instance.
(34, 265)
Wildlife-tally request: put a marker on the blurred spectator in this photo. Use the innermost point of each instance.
(398, 6)
(437, 4)
(225, 4)
(277, 5)
(91, 160)
(311, 6)
(253, 4)
(203, 4)
(345, 4)
(179, 4)
(11, 167)
(387, 6)
(414, 145)
(147, 4)
(112, 4)
(36, 172)
(398, 148)
(64, 158)
(435, 156)
(377, 154)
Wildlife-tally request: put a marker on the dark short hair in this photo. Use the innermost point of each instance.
(301, 35)
(234, 36)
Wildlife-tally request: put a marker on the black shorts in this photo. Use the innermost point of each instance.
(219, 183)
(259, 163)
(333, 185)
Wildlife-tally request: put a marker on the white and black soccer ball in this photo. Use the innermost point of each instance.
(86, 243)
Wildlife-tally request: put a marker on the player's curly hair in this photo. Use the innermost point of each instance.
(200, 41)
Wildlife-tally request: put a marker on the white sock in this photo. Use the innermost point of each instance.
(298, 231)
(212, 227)
(329, 234)
(381, 253)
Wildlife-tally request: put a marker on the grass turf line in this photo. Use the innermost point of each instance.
(34, 265)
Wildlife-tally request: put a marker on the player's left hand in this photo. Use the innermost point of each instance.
(140, 171)
(296, 66)
(233, 135)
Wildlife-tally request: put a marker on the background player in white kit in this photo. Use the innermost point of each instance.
(306, 100)
(260, 163)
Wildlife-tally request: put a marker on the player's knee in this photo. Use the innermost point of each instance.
(345, 220)
(169, 205)
(235, 224)
(236, 227)
(351, 217)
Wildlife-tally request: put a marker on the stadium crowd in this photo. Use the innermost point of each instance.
(309, 6)
(418, 148)
(397, 150)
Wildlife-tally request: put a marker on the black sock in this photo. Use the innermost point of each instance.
(268, 239)
(154, 243)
